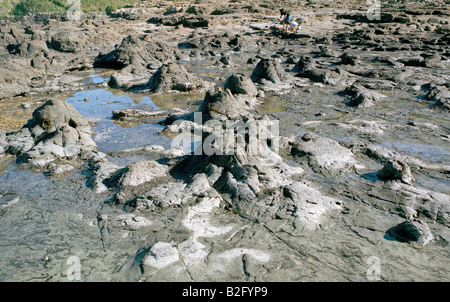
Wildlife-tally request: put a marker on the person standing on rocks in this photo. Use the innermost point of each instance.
(286, 21)
(283, 14)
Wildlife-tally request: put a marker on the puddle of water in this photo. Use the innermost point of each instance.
(109, 135)
(272, 104)
(98, 80)
(428, 152)
(188, 101)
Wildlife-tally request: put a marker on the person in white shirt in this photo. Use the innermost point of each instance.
(293, 26)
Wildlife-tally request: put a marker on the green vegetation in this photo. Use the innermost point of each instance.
(104, 6)
(6, 6)
(37, 6)
(22, 7)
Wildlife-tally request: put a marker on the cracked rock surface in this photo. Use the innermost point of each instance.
(351, 159)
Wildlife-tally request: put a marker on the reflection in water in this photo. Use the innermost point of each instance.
(111, 136)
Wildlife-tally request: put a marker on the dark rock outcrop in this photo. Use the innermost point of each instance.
(56, 132)
(269, 70)
(361, 96)
(396, 170)
(133, 50)
(241, 84)
(68, 41)
(222, 105)
(173, 76)
(413, 231)
(440, 95)
(304, 63)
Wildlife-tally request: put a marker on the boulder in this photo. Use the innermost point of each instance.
(324, 76)
(56, 131)
(361, 96)
(226, 61)
(129, 77)
(432, 60)
(161, 255)
(131, 114)
(101, 171)
(304, 63)
(132, 50)
(417, 61)
(396, 170)
(59, 170)
(17, 78)
(327, 52)
(349, 59)
(141, 172)
(269, 70)
(3, 142)
(310, 205)
(413, 231)
(67, 41)
(222, 105)
(198, 10)
(440, 95)
(29, 48)
(175, 193)
(222, 41)
(173, 76)
(241, 84)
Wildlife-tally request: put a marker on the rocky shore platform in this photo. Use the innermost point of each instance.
(320, 155)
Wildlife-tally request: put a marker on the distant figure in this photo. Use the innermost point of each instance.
(294, 27)
(283, 14)
(286, 21)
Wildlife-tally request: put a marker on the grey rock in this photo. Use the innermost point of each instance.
(29, 48)
(3, 143)
(414, 231)
(220, 41)
(241, 84)
(129, 77)
(137, 114)
(68, 41)
(173, 76)
(56, 131)
(197, 10)
(323, 154)
(440, 95)
(324, 76)
(310, 205)
(222, 105)
(327, 52)
(133, 50)
(60, 170)
(304, 63)
(226, 61)
(361, 96)
(25, 105)
(141, 172)
(396, 170)
(269, 70)
(101, 170)
(349, 59)
(431, 60)
(17, 78)
(416, 61)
